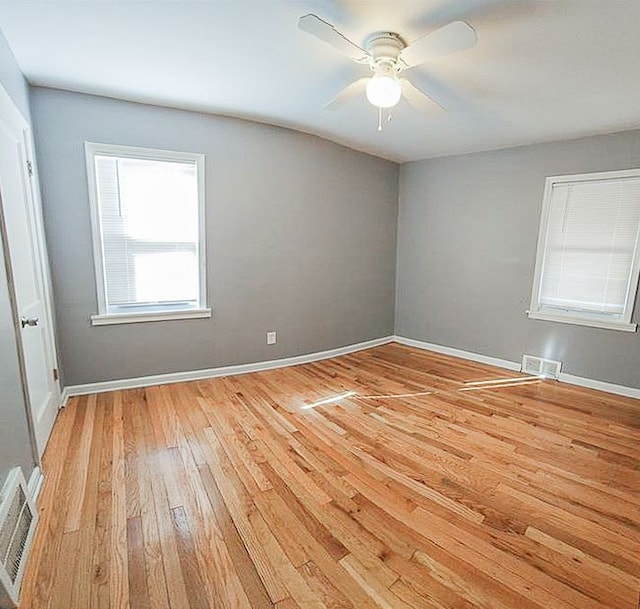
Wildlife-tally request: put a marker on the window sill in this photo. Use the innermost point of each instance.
(140, 317)
(583, 321)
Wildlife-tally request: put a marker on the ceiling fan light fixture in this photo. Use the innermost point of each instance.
(384, 90)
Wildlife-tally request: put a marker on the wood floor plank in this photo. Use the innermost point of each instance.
(152, 547)
(53, 515)
(222, 585)
(63, 586)
(435, 483)
(247, 572)
(323, 588)
(118, 548)
(101, 563)
(138, 586)
(194, 586)
(240, 507)
(376, 589)
(174, 575)
(80, 469)
(59, 443)
(91, 512)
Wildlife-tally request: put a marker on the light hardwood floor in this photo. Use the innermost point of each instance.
(437, 484)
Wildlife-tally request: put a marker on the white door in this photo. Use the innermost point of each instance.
(24, 237)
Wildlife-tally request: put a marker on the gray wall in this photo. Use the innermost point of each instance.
(301, 239)
(15, 446)
(467, 236)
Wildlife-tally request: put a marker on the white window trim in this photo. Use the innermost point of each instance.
(103, 317)
(133, 318)
(572, 317)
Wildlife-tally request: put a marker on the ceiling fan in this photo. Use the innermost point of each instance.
(388, 55)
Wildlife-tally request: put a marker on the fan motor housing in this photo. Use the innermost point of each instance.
(384, 46)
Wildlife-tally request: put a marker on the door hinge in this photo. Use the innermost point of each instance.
(30, 168)
(55, 374)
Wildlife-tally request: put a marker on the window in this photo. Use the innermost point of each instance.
(147, 212)
(588, 250)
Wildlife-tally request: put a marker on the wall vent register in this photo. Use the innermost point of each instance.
(538, 366)
(18, 518)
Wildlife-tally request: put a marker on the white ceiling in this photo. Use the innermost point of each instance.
(542, 69)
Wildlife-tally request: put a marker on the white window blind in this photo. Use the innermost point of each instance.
(589, 237)
(148, 216)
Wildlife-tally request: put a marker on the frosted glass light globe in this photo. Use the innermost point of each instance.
(383, 91)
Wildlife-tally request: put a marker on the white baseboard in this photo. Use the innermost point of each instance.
(35, 484)
(476, 357)
(631, 392)
(196, 375)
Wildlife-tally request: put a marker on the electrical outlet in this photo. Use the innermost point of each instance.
(271, 338)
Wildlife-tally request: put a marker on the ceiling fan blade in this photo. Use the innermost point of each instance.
(419, 99)
(451, 38)
(357, 87)
(312, 24)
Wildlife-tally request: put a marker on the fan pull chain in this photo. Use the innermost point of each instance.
(381, 124)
